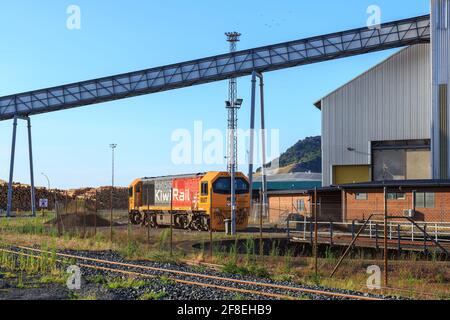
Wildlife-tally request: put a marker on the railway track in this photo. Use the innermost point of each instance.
(256, 288)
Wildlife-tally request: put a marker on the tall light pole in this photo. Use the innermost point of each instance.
(113, 147)
(233, 104)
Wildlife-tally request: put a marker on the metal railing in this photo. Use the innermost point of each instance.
(401, 231)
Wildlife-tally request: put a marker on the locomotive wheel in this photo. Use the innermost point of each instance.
(149, 221)
(153, 223)
(182, 222)
(135, 217)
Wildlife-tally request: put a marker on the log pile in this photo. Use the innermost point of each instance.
(99, 198)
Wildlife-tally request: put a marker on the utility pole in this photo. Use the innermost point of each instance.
(233, 104)
(113, 147)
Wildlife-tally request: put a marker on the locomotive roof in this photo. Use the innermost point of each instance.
(179, 176)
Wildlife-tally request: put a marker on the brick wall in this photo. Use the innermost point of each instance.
(282, 205)
(361, 209)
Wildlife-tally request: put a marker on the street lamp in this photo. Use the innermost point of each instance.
(113, 147)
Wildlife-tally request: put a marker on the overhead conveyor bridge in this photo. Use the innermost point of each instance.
(242, 63)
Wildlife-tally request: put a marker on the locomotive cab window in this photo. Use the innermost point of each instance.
(130, 191)
(137, 188)
(204, 188)
(223, 186)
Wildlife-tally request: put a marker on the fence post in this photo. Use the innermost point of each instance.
(425, 238)
(412, 232)
(353, 229)
(331, 233)
(399, 239)
(288, 227)
(436, 232)
(304, 228)
(370, 229)
(390, 231)
(311, 231)
(376, 236)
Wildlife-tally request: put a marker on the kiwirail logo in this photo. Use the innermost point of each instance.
(73, 21)
(202, 146)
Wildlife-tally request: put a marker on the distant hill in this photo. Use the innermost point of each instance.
(304, 156)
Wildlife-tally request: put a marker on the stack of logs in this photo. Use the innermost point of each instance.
(100, 198)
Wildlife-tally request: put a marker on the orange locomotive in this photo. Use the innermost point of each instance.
(200, 201)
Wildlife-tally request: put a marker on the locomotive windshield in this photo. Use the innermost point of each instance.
(223, 186)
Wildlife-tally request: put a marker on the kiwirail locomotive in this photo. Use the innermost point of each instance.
(196, 202)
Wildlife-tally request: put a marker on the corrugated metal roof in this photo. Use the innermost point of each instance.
(318, 104)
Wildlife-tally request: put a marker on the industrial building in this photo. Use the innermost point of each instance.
(377, 127)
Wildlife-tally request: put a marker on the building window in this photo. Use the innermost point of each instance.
(204, 188)
(425, 200)
(401, 160)
(396, 196)
(361, 196)
(301, 205)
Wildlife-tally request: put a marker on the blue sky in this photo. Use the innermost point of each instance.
(72, 146)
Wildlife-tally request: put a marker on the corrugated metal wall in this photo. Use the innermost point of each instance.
(391, 101)
(440, 39)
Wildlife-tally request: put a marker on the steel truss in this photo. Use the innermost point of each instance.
(241, 63)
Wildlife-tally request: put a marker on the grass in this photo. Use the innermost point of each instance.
(238, 297)
(98, 279)
(76, 296)
(54, 279)
(253, 270)
(283, 277)
(166, 280)
(125, 283)
(159, 295)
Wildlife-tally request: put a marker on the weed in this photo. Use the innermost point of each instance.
(153, 295)
(249, 250)
(238, 297)
(57, 279)
(283, 277)
(274, 251)
(164, 256)
(166, 280)
(288, 261)
(314, 278)
(329, 256)
(98, 279)
(231, 267)
(163, 238)
(125, 283)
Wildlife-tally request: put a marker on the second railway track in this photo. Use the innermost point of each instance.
(256, 288)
